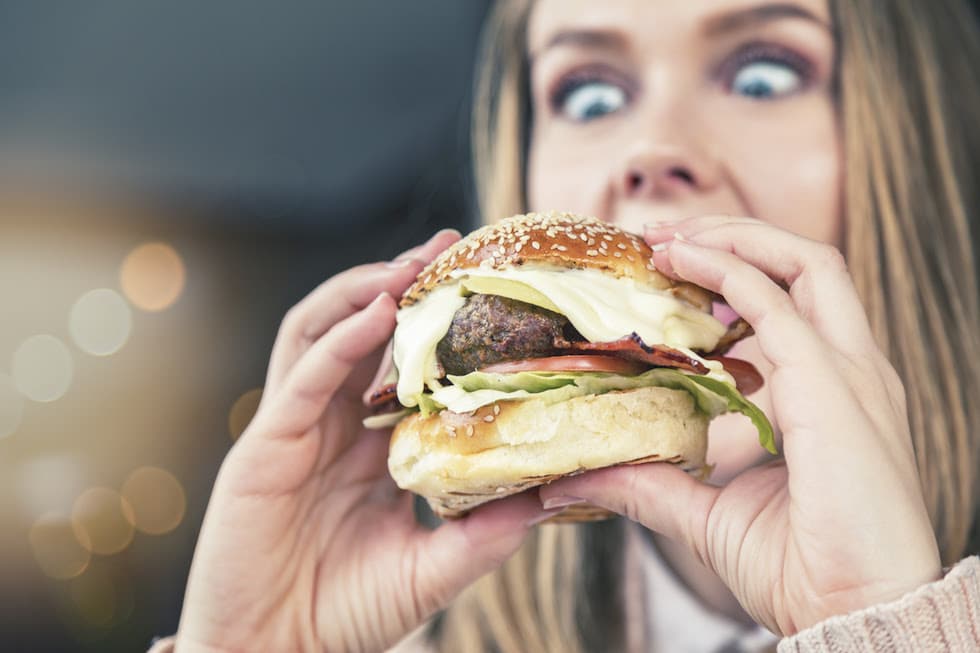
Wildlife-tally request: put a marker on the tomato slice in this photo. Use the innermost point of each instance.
(610, 364)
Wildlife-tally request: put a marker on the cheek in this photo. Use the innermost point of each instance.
(566, 174)
(791, 177)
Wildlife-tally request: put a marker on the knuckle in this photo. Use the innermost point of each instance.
(830, 259)
(291, 325)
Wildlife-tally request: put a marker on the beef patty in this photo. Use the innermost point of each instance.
(491, 329)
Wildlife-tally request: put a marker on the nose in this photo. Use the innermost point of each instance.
(666, 171)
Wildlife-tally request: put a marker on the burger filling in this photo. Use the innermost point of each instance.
(502, 335)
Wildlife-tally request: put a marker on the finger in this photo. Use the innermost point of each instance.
(660, 496)
(809, 376)
(784, 336)
(459, 552)
(331, 302)
(311, 383)
(815, 274)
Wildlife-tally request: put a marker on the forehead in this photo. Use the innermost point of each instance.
(639, 19)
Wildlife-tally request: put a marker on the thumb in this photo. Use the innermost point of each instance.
(660, 496)
(459, 552)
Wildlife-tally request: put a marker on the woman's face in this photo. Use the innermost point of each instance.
(649, 110)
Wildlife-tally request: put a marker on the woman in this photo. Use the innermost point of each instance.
(840, 127)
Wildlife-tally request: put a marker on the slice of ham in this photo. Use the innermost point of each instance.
(632, 347)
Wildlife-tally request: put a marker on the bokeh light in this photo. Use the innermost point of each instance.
(157, 500)
(242, 412)
(152, 276)
(100, 322)
(11, 406)
(42, 368)
(102, 520)
(57, 548)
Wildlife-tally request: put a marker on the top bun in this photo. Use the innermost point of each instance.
(557, 239)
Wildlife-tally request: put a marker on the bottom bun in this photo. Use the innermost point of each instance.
(459, 461)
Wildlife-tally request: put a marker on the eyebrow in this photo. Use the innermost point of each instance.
(586, 38)
(754, 16)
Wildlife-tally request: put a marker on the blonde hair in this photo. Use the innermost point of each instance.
(907, 94)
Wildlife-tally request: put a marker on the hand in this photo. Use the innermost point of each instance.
(838, 524)
(307, 544)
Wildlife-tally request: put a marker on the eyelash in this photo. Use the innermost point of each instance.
(758, 52)
(572, 81)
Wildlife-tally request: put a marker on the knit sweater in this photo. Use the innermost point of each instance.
(937, 617)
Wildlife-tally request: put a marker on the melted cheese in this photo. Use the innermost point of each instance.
(601, 307)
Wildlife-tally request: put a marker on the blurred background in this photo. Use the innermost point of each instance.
(173, 177)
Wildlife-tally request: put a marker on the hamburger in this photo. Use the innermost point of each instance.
(546, 345)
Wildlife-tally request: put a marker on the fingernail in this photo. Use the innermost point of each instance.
(544, 515)
(660, 247)
(653, 226)
(455, 232)
(380, 298)
(560, 502)
(400, 263)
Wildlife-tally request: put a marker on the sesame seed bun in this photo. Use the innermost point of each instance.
(563, 240)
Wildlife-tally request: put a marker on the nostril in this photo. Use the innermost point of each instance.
(634, 181)
(682, 174)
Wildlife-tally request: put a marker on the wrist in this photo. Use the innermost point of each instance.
(882, 593)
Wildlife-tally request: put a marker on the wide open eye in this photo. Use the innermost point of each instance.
(585, 100)
(764, 80)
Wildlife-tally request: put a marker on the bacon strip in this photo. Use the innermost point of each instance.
(632, 347)
(737, 330)
(383, 395)
(747, 378)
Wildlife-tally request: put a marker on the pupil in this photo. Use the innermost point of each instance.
(757, 88)
(596, 109)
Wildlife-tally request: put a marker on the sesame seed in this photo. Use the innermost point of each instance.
(469, 430)
(618, 254)
(496, 409)
(488, 419)
(621, 245)
(536, 245)
(592, 252)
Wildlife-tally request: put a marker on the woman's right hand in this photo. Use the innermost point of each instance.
(307, 543)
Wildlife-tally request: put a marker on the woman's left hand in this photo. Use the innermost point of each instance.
(839, 523)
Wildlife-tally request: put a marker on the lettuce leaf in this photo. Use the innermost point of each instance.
(739, 404)
(471, 391)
